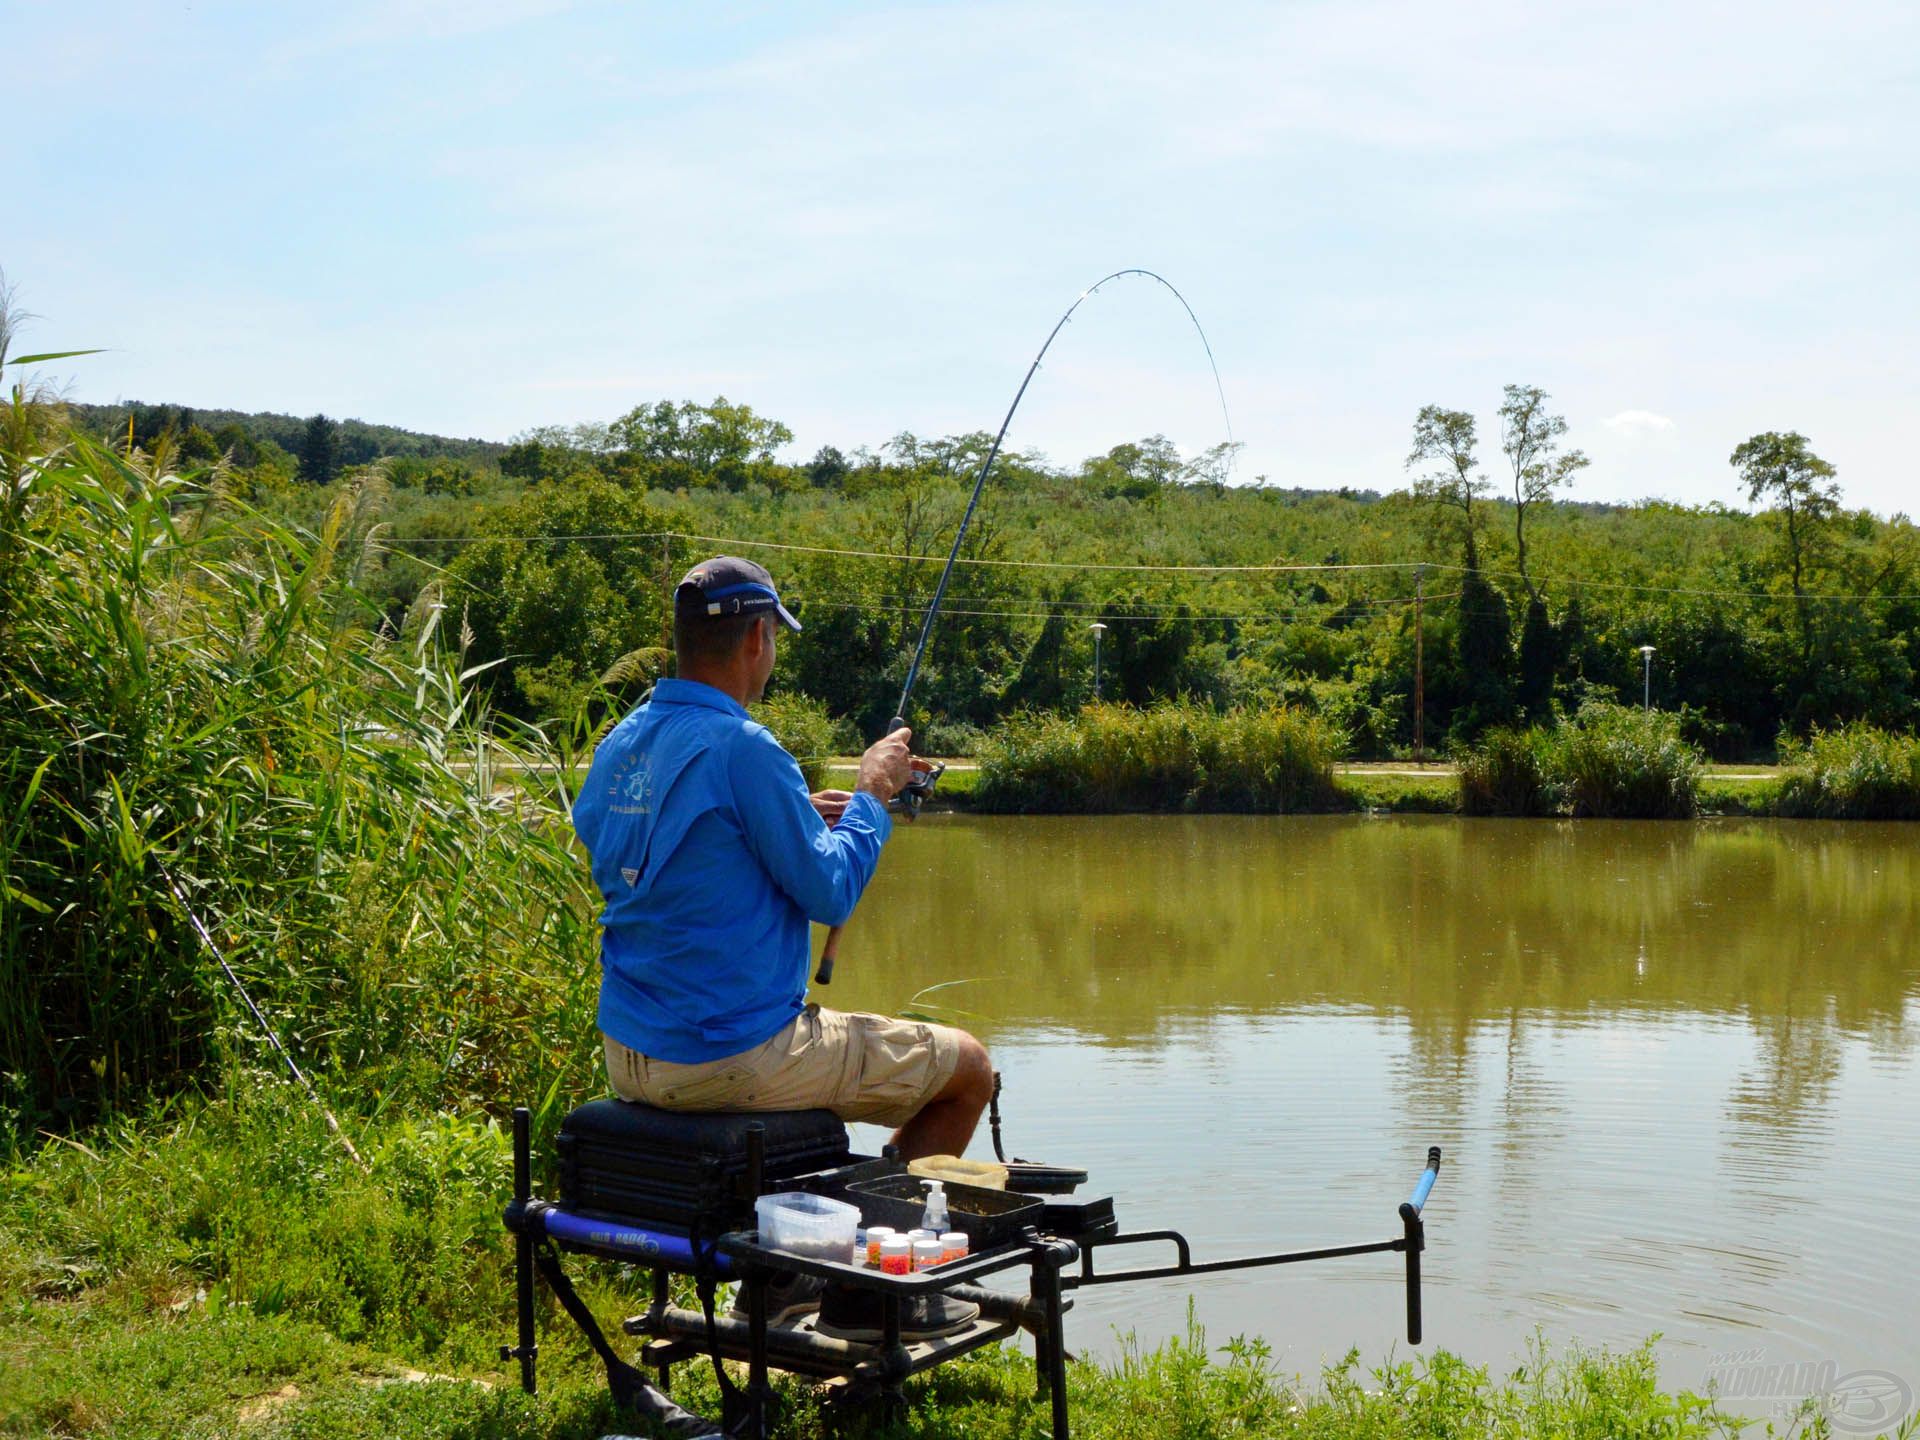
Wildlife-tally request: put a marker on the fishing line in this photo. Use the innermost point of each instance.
(979, 484)
(921, 785)
(333, 1125)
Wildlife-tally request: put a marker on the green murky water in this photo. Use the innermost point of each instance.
(1675, 1068)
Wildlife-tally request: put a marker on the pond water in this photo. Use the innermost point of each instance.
(1675, 1067)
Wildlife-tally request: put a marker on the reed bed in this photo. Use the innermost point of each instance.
(1859, 772)
(1606, 762)
(1174, 756)
(190, 689)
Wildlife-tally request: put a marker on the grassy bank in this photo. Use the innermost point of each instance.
(219, 1266)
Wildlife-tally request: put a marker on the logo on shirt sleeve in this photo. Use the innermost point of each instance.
(630, 875)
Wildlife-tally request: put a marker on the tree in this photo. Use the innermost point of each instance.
(1530, 436)
(558, 612)
(1782, 468)
(1539, 658)
(1445, 439)
(1213, 466)
(718, 443)
(1484, 651)
(1134, 471)
(827, 468)
(319, 451)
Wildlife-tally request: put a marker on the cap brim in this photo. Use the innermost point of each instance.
(786, 616)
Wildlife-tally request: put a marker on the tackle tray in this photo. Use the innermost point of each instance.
(686, 1171)
(985, 1217)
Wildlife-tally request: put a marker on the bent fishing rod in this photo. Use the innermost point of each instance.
(920, 786)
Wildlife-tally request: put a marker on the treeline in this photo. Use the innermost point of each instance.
(557, 553)
(315, 449)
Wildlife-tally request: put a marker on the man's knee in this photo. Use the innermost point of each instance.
(972, 1074)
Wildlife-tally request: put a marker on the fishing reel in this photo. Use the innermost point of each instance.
(918, 790)
(919, 786)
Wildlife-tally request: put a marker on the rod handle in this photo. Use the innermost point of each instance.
(828, 954)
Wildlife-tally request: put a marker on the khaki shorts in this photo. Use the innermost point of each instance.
(861, 1067)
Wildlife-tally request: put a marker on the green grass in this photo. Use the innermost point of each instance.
(1401, 794)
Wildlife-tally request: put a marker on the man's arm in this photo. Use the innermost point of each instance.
(823, 870)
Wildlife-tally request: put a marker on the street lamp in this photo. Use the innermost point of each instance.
(1646, 660)
(1098, 629)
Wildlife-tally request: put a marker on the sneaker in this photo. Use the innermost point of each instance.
(857, 1316)
(790, 1299)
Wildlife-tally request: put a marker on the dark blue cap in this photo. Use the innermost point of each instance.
(728, 585)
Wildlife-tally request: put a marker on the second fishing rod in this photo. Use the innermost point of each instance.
(917, 789)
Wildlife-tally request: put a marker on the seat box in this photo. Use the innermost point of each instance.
(682, 1170)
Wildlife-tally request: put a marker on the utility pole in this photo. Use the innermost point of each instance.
(1419, 665)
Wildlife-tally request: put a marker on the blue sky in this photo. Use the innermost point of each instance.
(1687, 222)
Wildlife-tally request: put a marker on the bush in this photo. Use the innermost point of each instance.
(948, 738)
(1509, 773)
(1618, 762)
(1856, 773)
(1173, 756)
(802, 725)
(1608, 761)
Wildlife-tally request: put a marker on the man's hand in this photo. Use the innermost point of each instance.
(831, 804)
(887, 766)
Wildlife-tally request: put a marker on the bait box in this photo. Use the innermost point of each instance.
(798, 1222)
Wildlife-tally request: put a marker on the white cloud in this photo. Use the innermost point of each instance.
(1637, 424)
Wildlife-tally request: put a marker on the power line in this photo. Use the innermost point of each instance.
(1140, 567)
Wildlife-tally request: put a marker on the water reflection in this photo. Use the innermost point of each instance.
(1674, 1065)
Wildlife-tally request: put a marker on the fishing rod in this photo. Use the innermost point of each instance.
(333, 1125)
(920, 786)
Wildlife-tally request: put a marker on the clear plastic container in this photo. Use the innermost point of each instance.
(875, 1235)
(926, 1254)
(896, 1255)
(953, 1246)
(809, 1226)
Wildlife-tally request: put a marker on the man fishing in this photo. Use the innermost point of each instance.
(713, 858)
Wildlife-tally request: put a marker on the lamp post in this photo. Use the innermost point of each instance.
(1098, 629)
(1646, 661)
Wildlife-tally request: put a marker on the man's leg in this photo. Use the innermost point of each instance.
(946, 1122)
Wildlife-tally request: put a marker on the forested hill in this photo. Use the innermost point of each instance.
(358, 441)
(1445, 600)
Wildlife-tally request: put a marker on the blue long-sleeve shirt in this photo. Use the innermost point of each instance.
(712, 860)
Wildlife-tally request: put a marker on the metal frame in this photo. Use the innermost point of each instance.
(542, 1229)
